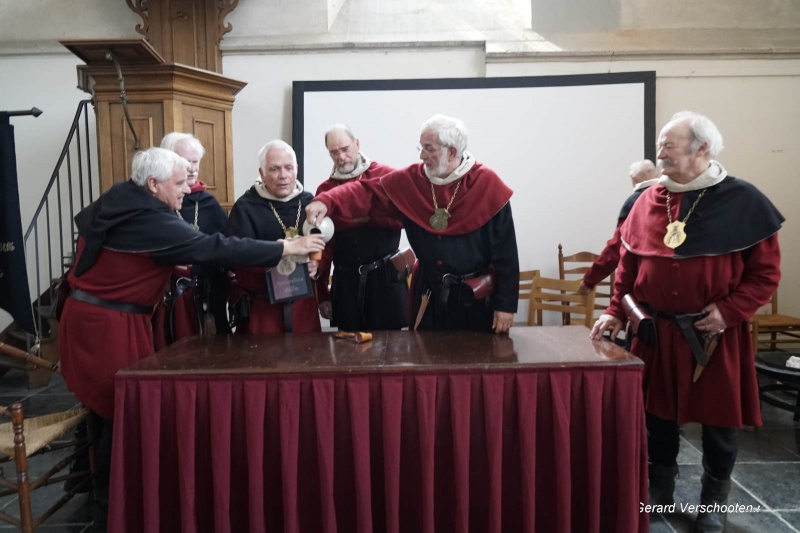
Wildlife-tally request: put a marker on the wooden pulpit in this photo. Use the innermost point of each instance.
(139, 97)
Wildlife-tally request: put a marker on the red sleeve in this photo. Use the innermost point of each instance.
(627, 269)
(360, 202)
(760, 279)
(605, 264)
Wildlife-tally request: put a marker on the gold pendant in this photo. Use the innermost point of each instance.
(439, 218)
(675, 235)
(286, 266)
(291, 232)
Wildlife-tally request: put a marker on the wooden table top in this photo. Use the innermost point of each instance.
(388, 351)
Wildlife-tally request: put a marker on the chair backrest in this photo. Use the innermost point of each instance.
(525, 284)
(769, 308)
(560, 296)
(574, 266)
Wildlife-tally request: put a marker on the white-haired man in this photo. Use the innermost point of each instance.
(643, 174)
(457, 216)
(128, 241)
(701, 253)
(366, 293)
(196, 292)
(272, 209)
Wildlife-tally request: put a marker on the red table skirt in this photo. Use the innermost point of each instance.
(542, 449)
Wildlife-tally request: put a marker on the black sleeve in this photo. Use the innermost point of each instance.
(226, 251)
(505, 260)
(218, 220)
(239, 223)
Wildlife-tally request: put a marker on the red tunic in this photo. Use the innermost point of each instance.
(739, 282)
(95, 342)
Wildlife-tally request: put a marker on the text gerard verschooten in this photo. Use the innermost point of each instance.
(699, 508)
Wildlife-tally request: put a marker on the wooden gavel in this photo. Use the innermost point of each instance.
(359, 336)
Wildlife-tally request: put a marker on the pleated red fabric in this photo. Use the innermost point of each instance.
(549, 449)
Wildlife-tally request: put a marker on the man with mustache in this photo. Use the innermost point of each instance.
(457, 216)
(366, 293)
(272, 210)
(196, 292)
(701, 254)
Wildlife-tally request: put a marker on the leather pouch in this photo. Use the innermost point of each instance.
(402, 265)
(641, 323)
(482, 286)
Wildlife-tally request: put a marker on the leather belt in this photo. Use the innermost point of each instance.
(124, 307)
(444, 282)
(363, 273)
(685, 323)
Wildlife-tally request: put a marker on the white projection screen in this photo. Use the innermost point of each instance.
(564, 144)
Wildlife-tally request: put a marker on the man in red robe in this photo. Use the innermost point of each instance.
(129, 240)
(643, 174)
(701, 253)
(271, 210)
(366, 292)
(196, 293)
(457, 217)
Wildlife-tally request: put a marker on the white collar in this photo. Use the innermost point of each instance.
(361, 167)
(467, 161)
(644, 184)
(264, 193)
(714, 174)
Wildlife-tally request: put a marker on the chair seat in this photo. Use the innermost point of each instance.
(40, 430)
(776, 321)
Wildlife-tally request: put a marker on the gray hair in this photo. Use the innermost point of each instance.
(171, 140)
(158, 163)
(277, 144)
(451, 131)
(703, 131)
(339, 127)
(639, 168)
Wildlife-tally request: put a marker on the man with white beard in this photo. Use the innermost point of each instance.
(457, 217)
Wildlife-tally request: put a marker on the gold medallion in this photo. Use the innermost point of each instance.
(286, 266)
(291, 232)
(675, 235)
(439, 218)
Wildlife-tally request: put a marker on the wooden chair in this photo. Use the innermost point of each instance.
(782, 329)
(561, 296)
(574, 266)
(525, 284)
(22, 438)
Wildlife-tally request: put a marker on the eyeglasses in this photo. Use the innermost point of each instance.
(429, 148)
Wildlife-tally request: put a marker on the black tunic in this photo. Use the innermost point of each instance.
(493, 243)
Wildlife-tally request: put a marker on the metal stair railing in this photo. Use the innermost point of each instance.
(50, 239)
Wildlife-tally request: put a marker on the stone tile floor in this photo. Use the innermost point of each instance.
(766, 475)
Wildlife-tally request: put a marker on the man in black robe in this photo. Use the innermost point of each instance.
(367, 291)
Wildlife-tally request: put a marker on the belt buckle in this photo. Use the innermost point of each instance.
(370, 267)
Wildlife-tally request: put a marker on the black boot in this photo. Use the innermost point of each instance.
(662, 484)
(715, 491)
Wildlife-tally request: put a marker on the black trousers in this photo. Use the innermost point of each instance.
(720, 446)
